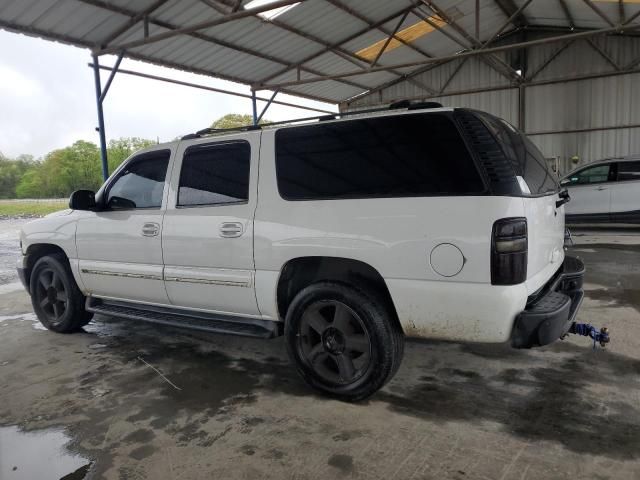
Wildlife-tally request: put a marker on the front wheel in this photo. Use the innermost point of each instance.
(55, 296)
(343, 342)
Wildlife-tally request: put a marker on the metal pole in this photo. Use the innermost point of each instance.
(264, 110)
(255, 108)
(103, 139)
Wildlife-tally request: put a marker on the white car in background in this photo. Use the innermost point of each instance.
(604, 191)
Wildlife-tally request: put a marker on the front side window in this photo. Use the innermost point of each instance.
(628, 171)
(140, 184)
(395, 156)
(215, 174)
(589, 175)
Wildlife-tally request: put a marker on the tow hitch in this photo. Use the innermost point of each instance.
(588, 330)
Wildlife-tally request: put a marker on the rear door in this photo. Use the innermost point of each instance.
(207, 238)
(625, 192)
(590, 190)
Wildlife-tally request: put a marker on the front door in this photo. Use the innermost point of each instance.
(119, 247)
(207, 237)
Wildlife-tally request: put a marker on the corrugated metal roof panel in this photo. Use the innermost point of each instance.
(251, 50)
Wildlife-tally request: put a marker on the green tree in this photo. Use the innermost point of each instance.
(235, 120)
(67, 169)
(119, 150)
(11, 171)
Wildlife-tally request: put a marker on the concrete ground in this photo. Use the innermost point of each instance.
(236, 409)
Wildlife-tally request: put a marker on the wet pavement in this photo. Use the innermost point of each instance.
(141, 401)
(38, 455)
(9, 251)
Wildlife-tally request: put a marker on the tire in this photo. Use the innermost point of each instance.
(55, 296)
(343, 342)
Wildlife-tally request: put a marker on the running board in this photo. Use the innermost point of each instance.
(207, 322)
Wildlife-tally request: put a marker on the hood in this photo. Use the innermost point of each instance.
(59, 213)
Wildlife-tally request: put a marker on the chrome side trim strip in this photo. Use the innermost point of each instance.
(119, 274)
(206, 281)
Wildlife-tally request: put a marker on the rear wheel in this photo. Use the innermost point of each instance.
(55, 296)
(342, 341)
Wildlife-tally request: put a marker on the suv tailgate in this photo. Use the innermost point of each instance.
(545, 228)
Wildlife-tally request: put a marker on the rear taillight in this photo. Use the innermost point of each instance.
(509, 251)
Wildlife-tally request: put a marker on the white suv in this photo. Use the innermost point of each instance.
(605, 191)
(345, 235)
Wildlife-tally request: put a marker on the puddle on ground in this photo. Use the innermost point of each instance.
(38, 454)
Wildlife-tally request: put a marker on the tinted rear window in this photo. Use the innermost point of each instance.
(399, 156)
(528, 161)
(215, 174)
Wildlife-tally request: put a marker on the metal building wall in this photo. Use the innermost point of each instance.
(591, 118)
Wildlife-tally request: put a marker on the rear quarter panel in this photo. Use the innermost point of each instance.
(395, 236)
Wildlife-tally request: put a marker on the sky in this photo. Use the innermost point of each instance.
(47, 99)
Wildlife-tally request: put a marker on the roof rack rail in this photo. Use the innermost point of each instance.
(403, 104)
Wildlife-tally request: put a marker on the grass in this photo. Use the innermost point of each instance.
(30, 208)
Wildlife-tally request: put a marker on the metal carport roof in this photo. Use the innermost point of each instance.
(328, 50)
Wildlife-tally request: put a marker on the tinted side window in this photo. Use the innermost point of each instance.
(215, 174)
(141, 183)
(527, 159)
(399, 156)
(596, 174)
(628, 171)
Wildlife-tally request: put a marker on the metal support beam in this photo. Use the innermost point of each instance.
(103, 138)
(200, 26)
(388, 40)
(111, 75)
(478, 19)
(470, 53)
(452, 76)
(599, 12)
(143, 15)
(553, 81)
(333, 46)
(508, 7)
(254, 106)
(567, 14)
(506, 24)
(210, 89)
(377, 26)
(206, 38)
(548, 61)
(493, 61)
(603, 54)
(264, 110)
(522, 107)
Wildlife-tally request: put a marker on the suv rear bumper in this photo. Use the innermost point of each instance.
(550, 314)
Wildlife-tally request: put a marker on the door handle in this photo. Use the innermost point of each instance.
(150, 229)
(231, 229)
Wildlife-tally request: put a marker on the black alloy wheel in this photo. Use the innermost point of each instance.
(334, 341)
(51, 295)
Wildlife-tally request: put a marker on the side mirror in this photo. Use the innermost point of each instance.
(82, 200)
